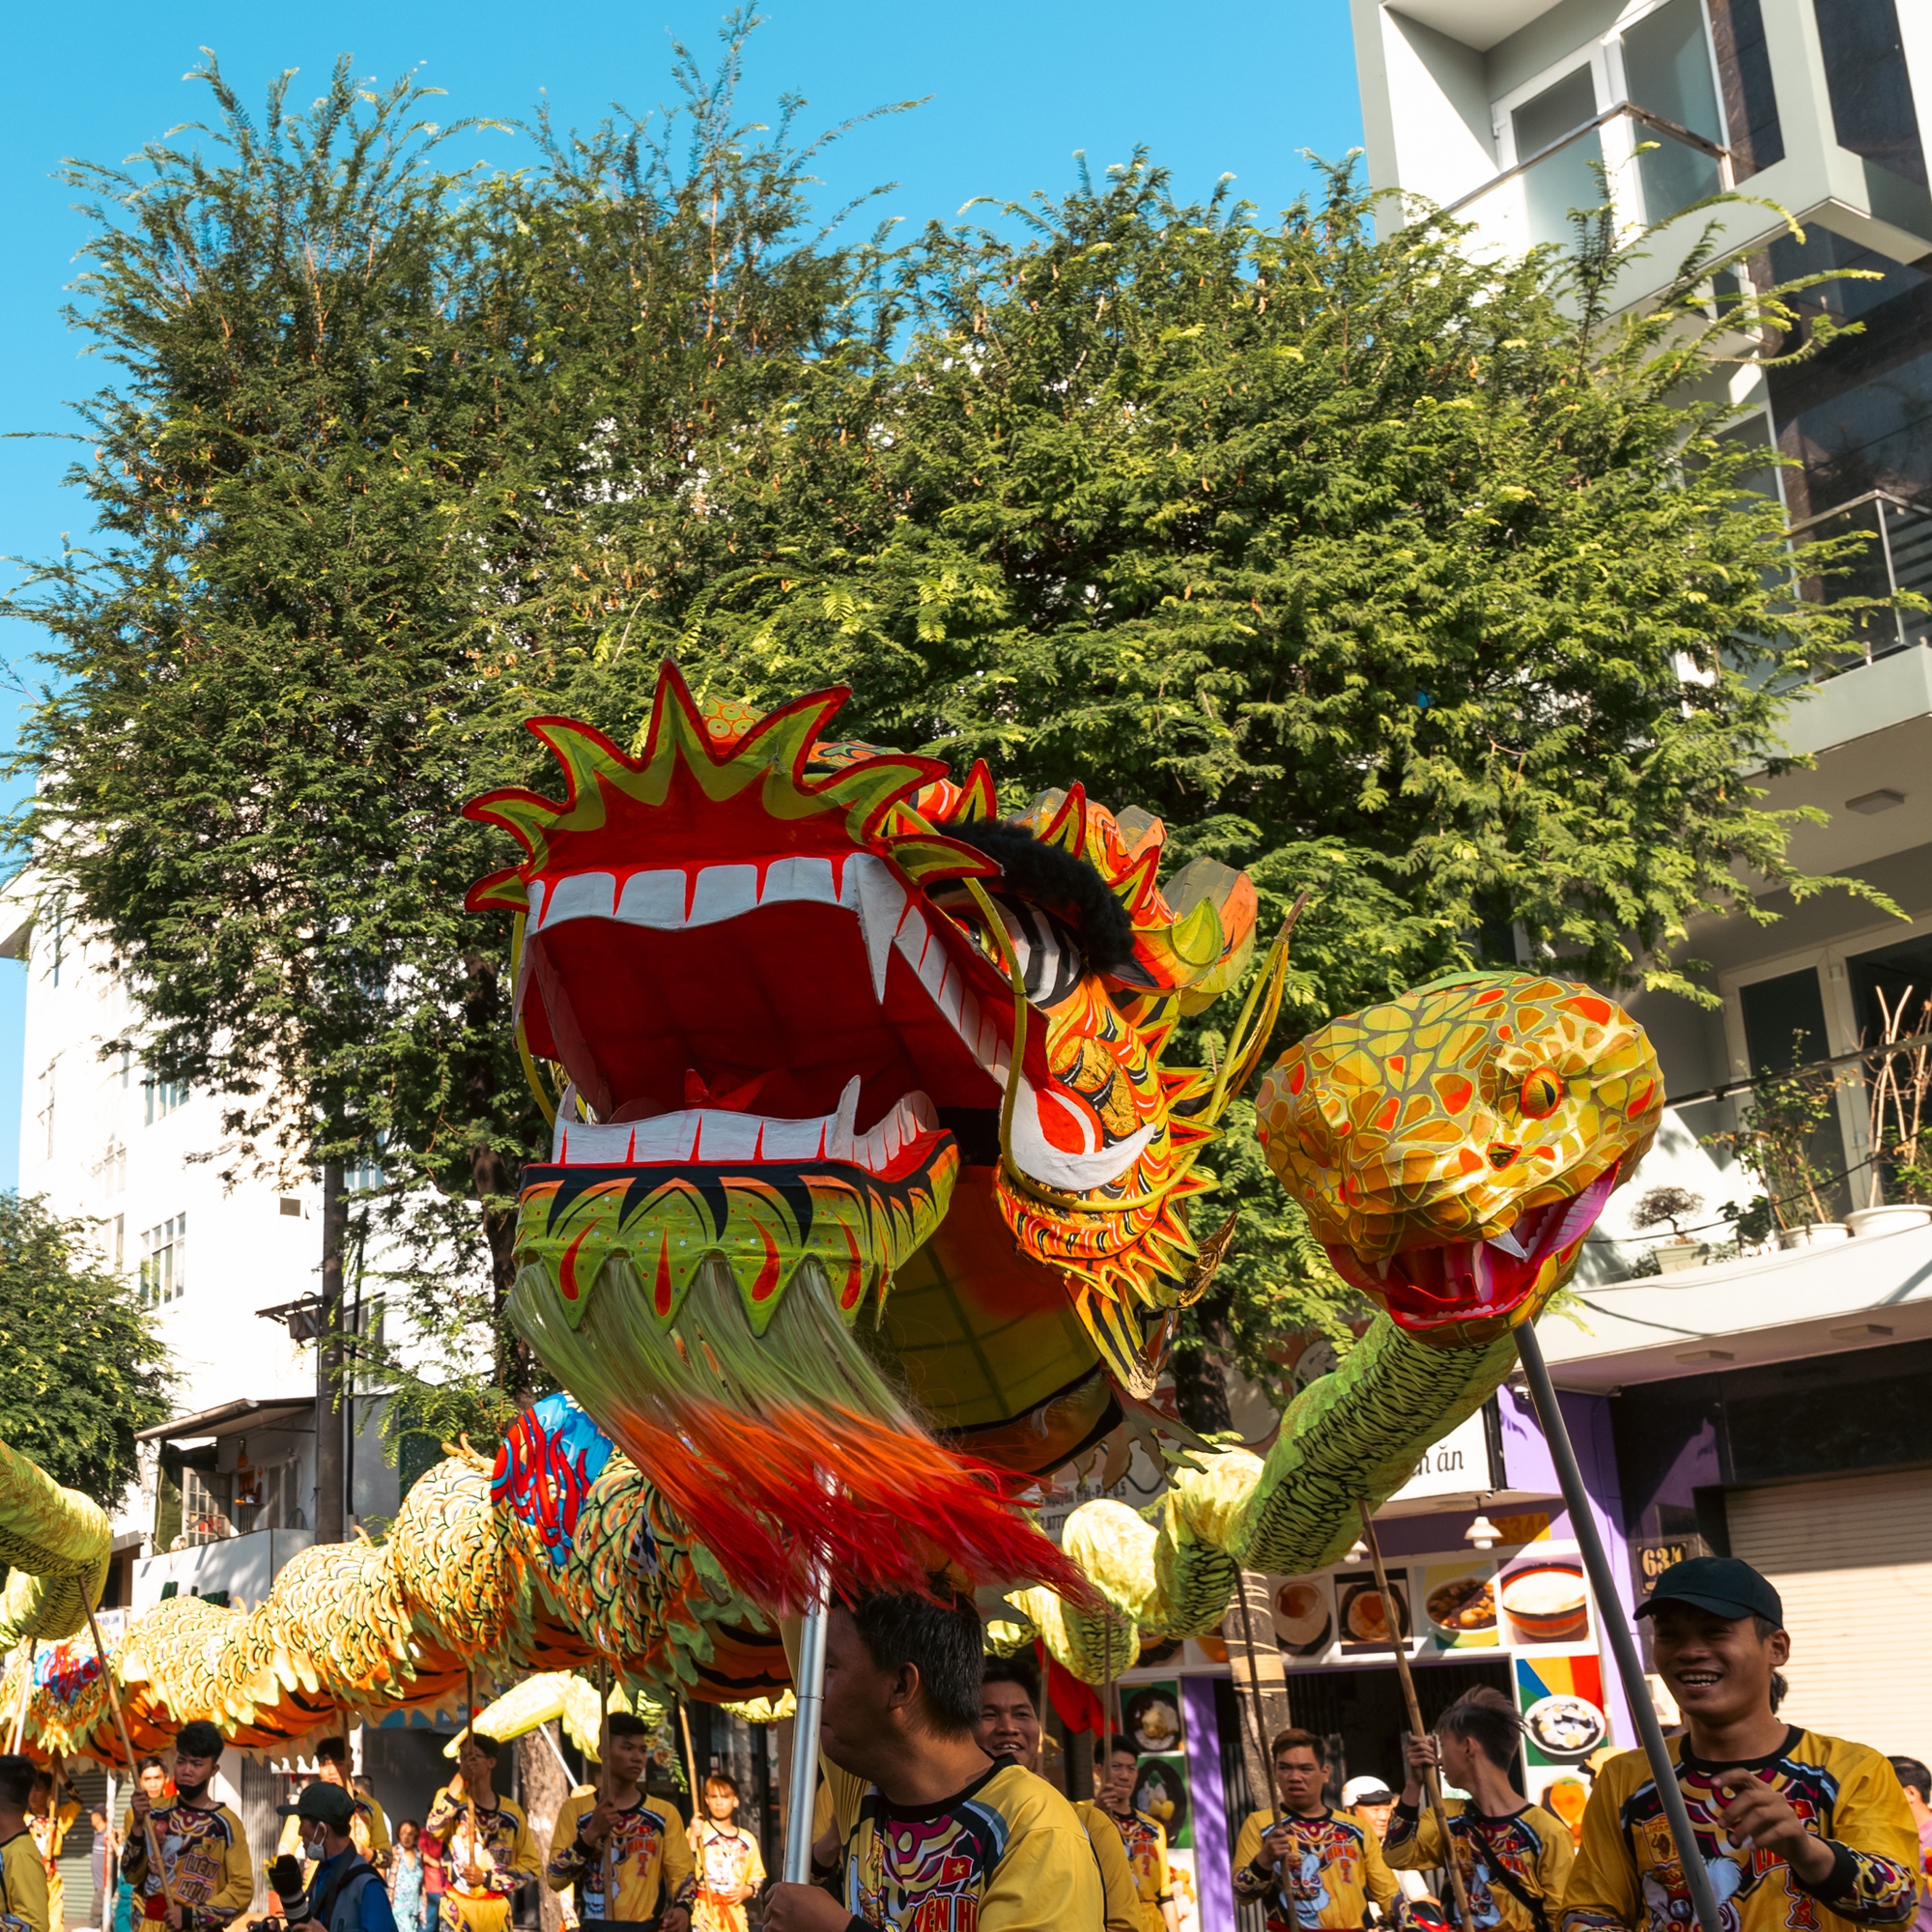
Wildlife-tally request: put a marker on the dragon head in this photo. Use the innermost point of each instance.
(1454, 1145)
(798, 993)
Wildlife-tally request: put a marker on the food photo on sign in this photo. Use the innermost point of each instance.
(1459, 1599)
(1562, 1703)
(1303, 1608)
(1545, 1600)
(1363, 1615)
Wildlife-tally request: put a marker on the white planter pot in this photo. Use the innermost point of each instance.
(1891, 1220)
(1673, 1256)
(1819, 1235)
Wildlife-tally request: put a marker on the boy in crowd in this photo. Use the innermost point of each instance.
(1514, 1856)
(1795, 1829)
(929, 1829)
(1145, 1841)
(486, 1848)
(1317, 1867)
(730, 1868)
(1008, 1727)
(616, 1838)
(370, 1829)
(23, 1884)
(205, 1869)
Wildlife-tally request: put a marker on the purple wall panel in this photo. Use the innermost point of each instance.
(1213, 1847)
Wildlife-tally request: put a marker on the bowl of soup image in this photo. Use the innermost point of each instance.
(1547, 1604)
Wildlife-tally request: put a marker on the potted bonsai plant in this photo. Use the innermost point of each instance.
(1659, 1207)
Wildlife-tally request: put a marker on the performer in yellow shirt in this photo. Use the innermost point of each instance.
(1008, 1727)
(1514, 1857)
(1319, 1866)
(487, 1849)
(1143, 1840)
(49, 1819)
(640, 1842)
(23, 1884)
(730, 1868)
(1795, 1829)
(208, 1873)
(930, 1832)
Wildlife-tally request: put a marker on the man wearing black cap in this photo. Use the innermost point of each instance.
(1800, 1833)
(346, 1892)
(210, 1876)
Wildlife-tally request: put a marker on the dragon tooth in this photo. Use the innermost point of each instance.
(1509, 1243)
(800, 877)
(581, 895)
(653, 899)
(869, 888)
(839, 1142)
(721, 892)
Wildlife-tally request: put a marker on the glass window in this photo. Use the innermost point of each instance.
(1667, 68)
(1872, 109)
(1566, 179)
(164, 1263)
(164, 1096)
(1743, 72)
(1784, 1021)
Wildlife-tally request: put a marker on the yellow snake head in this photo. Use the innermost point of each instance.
(1452, 1147)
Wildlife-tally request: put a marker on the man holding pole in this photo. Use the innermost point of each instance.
(1795, 1829)
(1316, 1867)
(931, 1831)
(207, 1876)
(649, 1855)
(1514, 1857)
(487, 1849)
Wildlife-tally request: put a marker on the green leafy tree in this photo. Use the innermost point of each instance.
(82, 1364)
(1419, 583)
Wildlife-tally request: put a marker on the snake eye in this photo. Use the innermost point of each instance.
(1542, 1090)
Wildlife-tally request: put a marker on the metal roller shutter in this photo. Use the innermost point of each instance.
(1852, 1559)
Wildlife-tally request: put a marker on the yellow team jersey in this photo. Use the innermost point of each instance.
(1127, 1902)
(23, 1886)
(1627, 1872)
(729, 1861)
(1532, 1846)
(205, 1854)
(500, 1845)
(1337, 1866)
(1005, 1854)
(649, 1855)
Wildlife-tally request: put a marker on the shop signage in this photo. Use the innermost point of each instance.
(1457, 1466)
(1651, 1556)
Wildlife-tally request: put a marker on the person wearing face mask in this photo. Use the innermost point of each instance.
(1008, 1727)
(346, 1892)
(209, 1874)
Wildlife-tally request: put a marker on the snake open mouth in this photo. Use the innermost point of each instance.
(1446, 1284)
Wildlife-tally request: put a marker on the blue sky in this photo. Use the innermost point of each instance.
(1016, 87)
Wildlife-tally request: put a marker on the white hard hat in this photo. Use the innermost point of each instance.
(1367, 1790)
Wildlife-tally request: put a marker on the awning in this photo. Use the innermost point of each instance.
(231, 1418)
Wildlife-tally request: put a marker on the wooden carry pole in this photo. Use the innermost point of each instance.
(607, 1872)
(26, 1692)
(1430, 1783)
(470, 1731)
(1255, 1695)
(128, 1746)
(689, 1757)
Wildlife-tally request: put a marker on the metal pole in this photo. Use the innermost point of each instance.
(1609, 1607)
(1430, 1783)
(805, 1734)
(26, 1692)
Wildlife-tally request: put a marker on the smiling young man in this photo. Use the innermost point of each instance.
(1797, 1830)
(931, 1831)
(1319, 1867)
(1514, 1856)
(204, 1849)
(1008, 1727)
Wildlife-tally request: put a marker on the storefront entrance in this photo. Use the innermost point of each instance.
(1362, 1716)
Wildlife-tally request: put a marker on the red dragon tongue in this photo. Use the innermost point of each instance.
(769, 1494)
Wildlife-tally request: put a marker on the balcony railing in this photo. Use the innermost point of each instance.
(1530, 204)
(1897, 556)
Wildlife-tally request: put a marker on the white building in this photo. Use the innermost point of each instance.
(227, 1488)
(1767, 1403)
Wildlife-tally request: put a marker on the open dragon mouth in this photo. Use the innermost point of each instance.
(1482, 1284)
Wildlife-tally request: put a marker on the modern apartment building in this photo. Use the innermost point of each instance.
(1763, 1401)
(227, 1489)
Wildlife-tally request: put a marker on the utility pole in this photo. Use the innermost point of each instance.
(330, 1420)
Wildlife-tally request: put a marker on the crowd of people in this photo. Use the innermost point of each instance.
(932, 1816)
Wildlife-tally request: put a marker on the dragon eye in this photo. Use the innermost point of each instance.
(1542, 1090)
(1050, 957)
